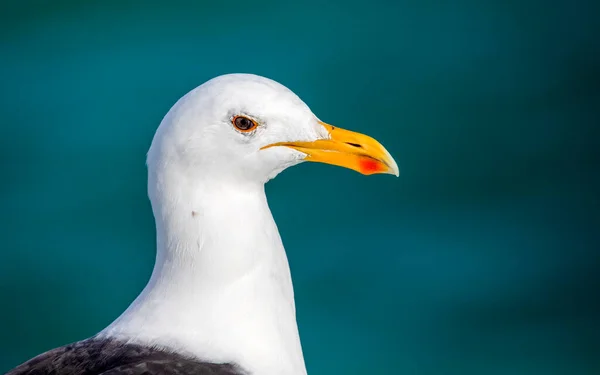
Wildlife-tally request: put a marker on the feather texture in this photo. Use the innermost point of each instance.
(112, 357)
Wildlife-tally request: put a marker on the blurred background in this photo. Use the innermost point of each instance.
(482, 258)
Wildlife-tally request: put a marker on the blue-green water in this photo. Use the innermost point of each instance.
(482, 258)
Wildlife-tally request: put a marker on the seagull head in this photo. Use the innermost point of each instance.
(247, 128)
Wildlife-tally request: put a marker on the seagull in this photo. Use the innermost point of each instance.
(220, 299)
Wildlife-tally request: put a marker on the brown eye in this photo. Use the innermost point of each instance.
(243, 123)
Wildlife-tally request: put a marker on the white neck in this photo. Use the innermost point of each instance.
(221, 288)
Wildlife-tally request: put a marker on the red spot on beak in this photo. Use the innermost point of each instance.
(370, 166)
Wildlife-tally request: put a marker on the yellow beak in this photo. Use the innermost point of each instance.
(347, 149)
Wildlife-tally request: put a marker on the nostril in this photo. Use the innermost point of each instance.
(354, 144)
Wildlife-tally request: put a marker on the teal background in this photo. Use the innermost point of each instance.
(482, 258)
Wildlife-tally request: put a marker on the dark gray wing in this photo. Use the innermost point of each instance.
(112, 357)
(174, 368)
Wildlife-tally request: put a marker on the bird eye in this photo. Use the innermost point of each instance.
(243, 123)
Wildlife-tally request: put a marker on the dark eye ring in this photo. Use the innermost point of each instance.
(243, 123)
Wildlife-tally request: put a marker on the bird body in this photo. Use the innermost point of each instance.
(220, 299)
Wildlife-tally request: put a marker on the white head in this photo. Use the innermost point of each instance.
(227, 129)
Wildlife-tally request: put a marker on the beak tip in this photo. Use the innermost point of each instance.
(392, 165)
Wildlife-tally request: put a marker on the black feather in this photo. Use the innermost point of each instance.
(96, 356)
